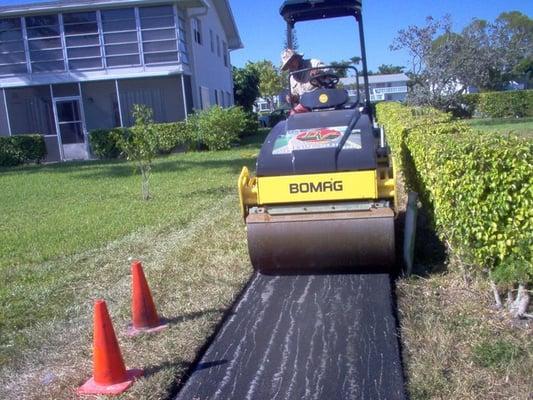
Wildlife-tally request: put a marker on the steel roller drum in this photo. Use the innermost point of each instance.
(342, 240)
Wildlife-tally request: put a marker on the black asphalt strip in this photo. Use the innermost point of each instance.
(304, 337)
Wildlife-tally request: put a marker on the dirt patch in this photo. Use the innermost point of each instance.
(455, 344)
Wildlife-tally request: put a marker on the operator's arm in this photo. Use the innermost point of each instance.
(316, 63)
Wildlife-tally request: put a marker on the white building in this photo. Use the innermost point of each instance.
(71, 66)
(382, 87)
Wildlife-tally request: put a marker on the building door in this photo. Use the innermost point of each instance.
(70, 127)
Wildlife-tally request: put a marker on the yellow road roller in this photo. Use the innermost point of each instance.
(323, 196)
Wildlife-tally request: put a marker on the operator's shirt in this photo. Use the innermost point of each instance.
(300, 82)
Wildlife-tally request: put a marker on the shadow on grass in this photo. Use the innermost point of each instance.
(234, 165)
(429, 251)
(182, 364)
(154, 369)
(206, 365)
(498, 121)
(191, 316)
(122, 168)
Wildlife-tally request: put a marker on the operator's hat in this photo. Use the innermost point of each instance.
(286, 56)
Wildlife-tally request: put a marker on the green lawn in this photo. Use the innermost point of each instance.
(68, 232)
(520, 126)
(55, 210)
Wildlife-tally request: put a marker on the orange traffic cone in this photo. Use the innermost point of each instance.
(144, 314)
(109, 373)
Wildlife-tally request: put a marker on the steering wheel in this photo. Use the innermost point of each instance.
(326, 80)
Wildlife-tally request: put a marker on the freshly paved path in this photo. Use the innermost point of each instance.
(304, 337)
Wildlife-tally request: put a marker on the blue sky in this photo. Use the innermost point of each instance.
(262, 29)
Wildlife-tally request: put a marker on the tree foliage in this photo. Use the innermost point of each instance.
(343, 72)
(294, 45)
(270, 80)
(390, 69)
(512, 37)
(444, 63)
(245, 86)
(217, 128)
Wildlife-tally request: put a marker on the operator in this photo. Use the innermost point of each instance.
(300, 82)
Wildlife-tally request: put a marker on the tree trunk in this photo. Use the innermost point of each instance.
(145, 184)
(509, 301)
(497, 296)
(522, 301)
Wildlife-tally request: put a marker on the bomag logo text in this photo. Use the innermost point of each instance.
(315, 187)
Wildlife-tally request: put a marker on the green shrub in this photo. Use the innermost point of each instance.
(19, 149)
(172, 135)
(217, 128)
(251, 126)
(478, 186)
(9, 154)
(103, 143)
(32, 147)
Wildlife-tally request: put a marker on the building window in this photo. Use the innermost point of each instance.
(212, 40)
(44, 42)
(82, 40)
(205, 101)
(200, 97)
(218, 46)
(197, 30)
(120, 37)
(30, 110)
(153, 97)
(225, 53)
(216, 98)
(158, 31)
(182, 42)
(12, 54)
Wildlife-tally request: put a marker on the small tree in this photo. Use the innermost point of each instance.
(270, 80)
(294, 45)
(246, 86)
(140, 143)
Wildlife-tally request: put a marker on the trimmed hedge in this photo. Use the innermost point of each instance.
(508, 104)
(214, 129)
(477, 186)
(20, 149)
